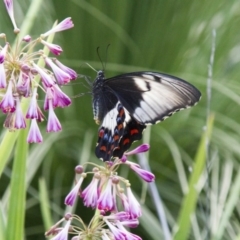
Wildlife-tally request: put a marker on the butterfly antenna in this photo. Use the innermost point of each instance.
(100, 57)
(105, 67)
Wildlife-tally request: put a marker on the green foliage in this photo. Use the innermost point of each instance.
(167, 36)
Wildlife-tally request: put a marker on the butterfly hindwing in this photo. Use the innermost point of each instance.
(132, 132)
(117, 133)
(123, 105)
(111, 131)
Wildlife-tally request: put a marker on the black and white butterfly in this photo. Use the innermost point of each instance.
(125, 104)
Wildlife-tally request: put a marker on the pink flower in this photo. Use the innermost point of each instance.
(71, 197)
(118, 234)
(8, 103)
(25, 68)
(18, 70)
(34, 134)
(64, 25)
(60, 99)
(3, 53)
(48, 96)
(79, 169)
(27, 38)
(63, 234)
(124, 202)
(32, 109)
(105, 236)
(90, 193)
(66, 69)
(3, 82)
(121, 216)
(140, 149)
(53, 124)
(24, 86)
(114, 195)
(134, 206)
(60, 75)
(128, 235)
(46, 78)
(9, 7)
(40, 116)
(19, 119)
(144, 174)
(105, 201)
(55, 49)
(131, 223)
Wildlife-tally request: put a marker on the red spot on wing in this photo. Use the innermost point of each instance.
(120, 126)
(121, 112)
(134, 131)
(113, 143)
(101, 133)
(103, 148)
(126, 141)
(116, 137)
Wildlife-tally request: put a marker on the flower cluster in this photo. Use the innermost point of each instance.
(19, 74)
(106, 190)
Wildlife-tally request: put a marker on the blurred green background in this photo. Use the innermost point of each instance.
(174, 37)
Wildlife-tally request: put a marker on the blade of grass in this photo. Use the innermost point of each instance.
(2, 223)
(229, 207)
(151, 224)
(45, 204)
(16, 210)
(6, 148)
(190, 199)
(116, 28)
(156, 199)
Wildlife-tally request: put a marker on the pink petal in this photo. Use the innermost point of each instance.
(34, 134)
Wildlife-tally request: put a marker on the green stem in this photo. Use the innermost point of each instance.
(29, 19)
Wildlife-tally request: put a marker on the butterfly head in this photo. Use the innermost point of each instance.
(100, 74)
(98, 82)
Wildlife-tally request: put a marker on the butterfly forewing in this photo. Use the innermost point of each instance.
(151, 97)
(126, 103)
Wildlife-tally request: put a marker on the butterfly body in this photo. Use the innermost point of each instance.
(125, 104)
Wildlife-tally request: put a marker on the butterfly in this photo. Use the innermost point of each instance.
(125, 104)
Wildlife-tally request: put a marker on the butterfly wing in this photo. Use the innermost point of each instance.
(126, 103)
(117, 132)
(151, 97)
(110, 131)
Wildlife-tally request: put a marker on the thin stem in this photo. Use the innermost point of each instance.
(209, 94)
(29, 19)
(156, 199)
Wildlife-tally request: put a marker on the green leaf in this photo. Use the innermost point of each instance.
(190, 200)
(17, 199)
(6, 148)
(45, 204)
(229, 207)
(2, 223)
